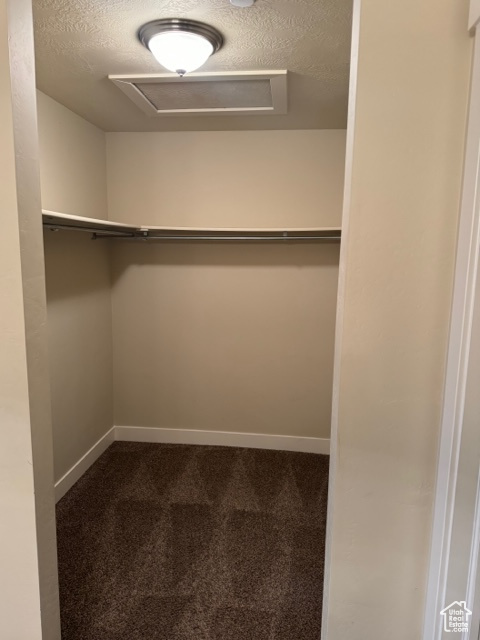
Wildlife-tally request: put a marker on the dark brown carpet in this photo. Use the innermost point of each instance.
(173, 542)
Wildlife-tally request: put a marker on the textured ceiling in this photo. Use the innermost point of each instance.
(80, 42)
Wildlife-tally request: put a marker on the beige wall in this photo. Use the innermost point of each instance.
(73, 161)
(28, 577)
(73, 166)
(398, 254)
(227, 178)
(225, 337)
(80, 343)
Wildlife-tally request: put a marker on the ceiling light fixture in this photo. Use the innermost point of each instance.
(180, 45)
(242, 3)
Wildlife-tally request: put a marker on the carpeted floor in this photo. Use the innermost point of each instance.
(174, 542)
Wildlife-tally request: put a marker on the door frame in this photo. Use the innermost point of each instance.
(461, 323)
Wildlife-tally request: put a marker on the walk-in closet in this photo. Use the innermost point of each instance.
(236, 342)
(191, 272)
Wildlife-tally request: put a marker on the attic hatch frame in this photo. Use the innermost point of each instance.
(278, 87)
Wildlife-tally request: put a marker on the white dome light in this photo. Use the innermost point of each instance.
(179, 51)
(243, 3)
(180, 45)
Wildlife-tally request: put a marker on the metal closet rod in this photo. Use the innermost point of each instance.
(228, 238)
(144, 235)
(52, 226)
(231, 239)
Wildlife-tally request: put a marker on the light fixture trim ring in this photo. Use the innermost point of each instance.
(169, 25)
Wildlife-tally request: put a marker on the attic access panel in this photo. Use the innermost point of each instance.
(235, 93)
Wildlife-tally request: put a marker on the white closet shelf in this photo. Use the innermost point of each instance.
(109, 229)
(65, 221)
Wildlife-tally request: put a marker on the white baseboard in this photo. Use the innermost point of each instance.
(76, 472)
(222, 438)
(187, 436)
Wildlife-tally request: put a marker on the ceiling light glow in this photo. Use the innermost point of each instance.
(242, 3)
(179, 51)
